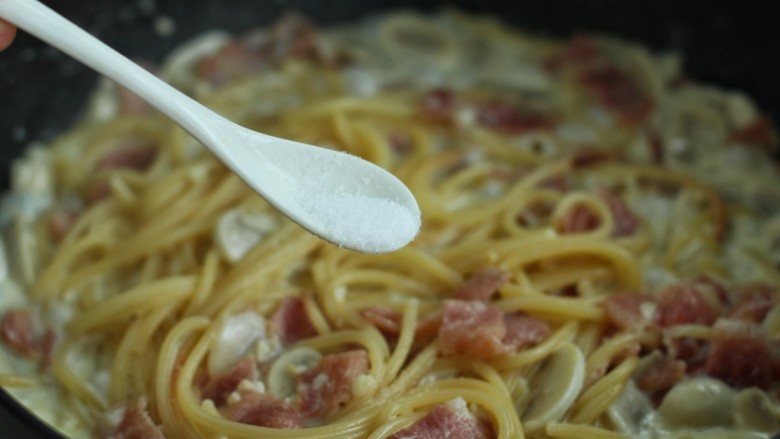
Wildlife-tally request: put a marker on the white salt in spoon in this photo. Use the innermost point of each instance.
(339, 197)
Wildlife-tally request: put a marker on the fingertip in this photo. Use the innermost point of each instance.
(7, 33)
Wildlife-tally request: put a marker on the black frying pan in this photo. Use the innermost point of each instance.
(732, 44)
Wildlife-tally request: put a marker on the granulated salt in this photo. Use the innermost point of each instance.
(369, 224)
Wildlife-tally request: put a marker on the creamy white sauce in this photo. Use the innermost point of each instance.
(454, 61)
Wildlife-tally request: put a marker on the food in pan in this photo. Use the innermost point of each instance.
(598, 258)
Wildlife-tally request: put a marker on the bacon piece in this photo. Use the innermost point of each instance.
(753, 303)
(507, 118)
(18, 332)
(326, 387)
(232, 61)
(294, 35)
(577, 219)
(132, 105)
(482, 285)
(631, 311)
(472, 328)
(439, 105)
(443, 422)
(617, 92)
(523, 330)
(625, 222)
(758, 133)
(739, 355)
(135, 424)
(291, 36)
(263, 410)
(136, 154)
(661, 374)
(221, 386)
(688, 303)
(292, 321)
(388, 322)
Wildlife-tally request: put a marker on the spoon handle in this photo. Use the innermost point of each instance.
(39, 20)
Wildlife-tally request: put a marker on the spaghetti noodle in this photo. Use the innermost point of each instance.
(599, 244)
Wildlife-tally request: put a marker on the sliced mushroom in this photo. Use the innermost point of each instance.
(698, 402)
(576, 133)
(741, 109)
(555, 387)
(641, 64)
(281, 376)
(103, 103)
(526, 76)
(32, 180)
(754, 410)
(180, 65)
(360, 81)
(419, 39)
(668, 67)
(238, 231)
(23, 250)
(11, 294)
(34, 174)
(236, 335)
(691, 121)
(4, 261)
(630, 410)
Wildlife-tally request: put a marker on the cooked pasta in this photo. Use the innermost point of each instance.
(599, 248)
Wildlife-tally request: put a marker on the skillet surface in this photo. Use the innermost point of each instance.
(724, 43)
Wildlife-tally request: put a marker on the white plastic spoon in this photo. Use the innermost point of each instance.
(339, 197)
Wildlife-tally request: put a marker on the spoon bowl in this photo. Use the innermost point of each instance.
(337, 196)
